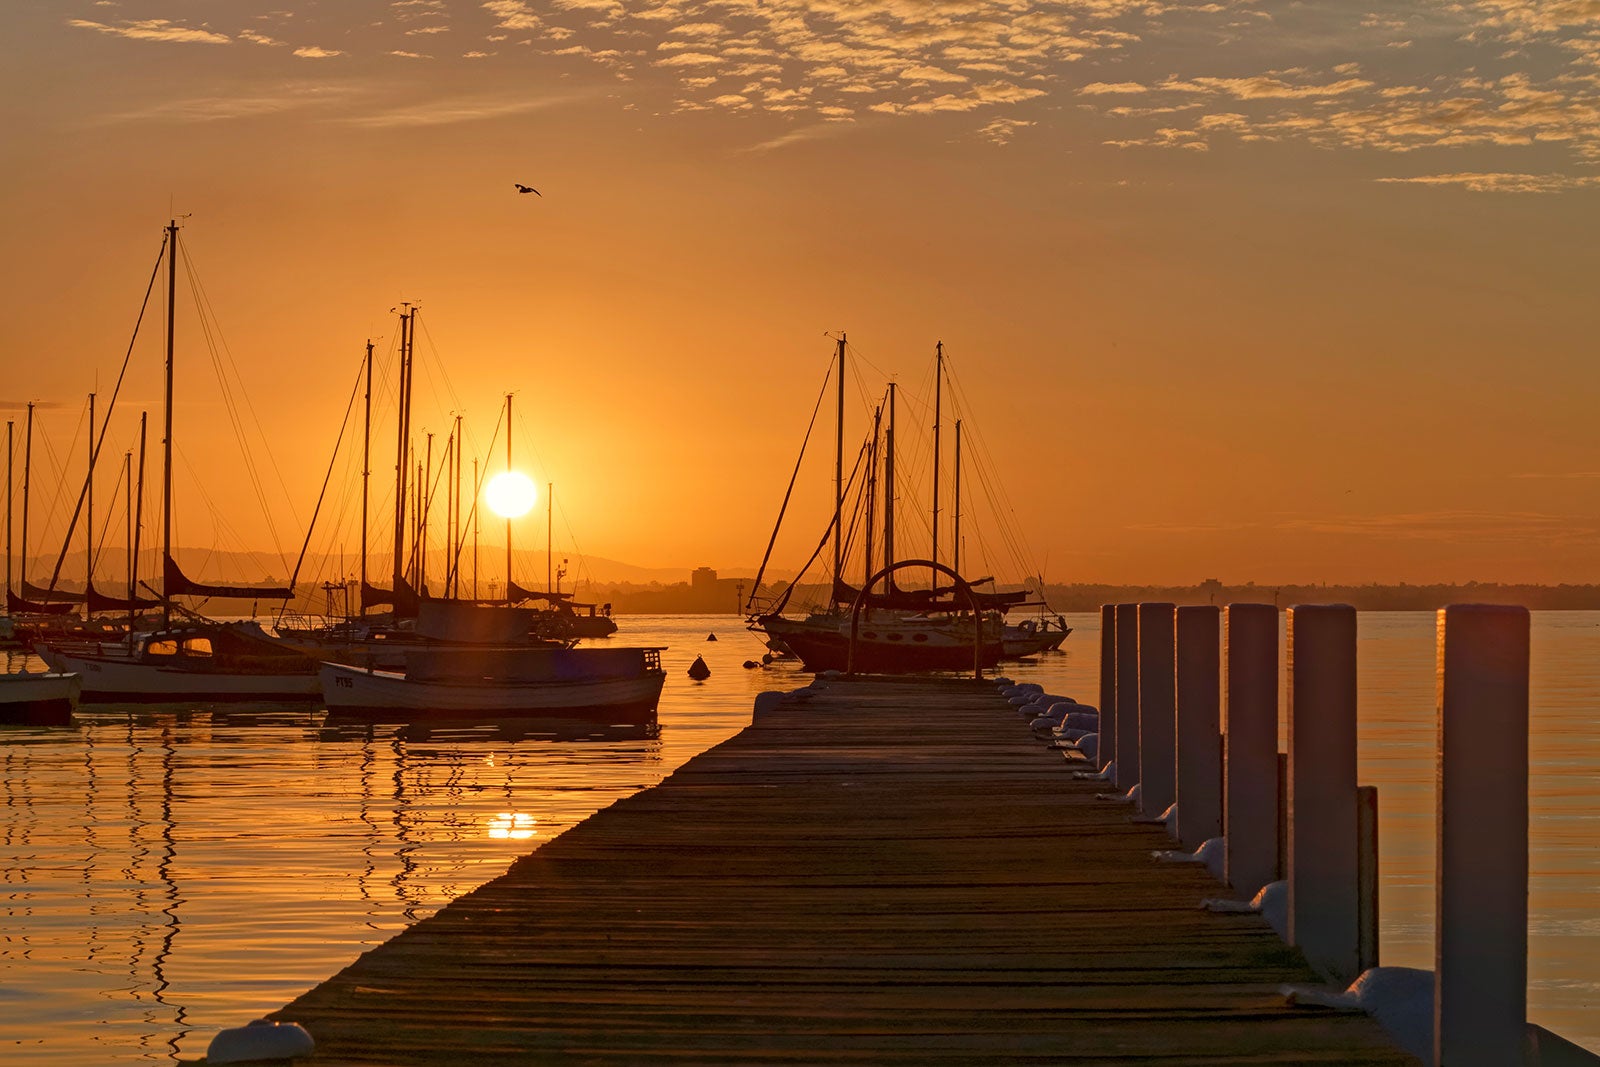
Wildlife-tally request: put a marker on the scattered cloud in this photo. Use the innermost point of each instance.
(451, 111)
(1477, 81)
(1504, 183)
(1000, 131)
(154, 30)
(260, 38)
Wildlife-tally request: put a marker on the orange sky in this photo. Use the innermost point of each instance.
(1262, 291)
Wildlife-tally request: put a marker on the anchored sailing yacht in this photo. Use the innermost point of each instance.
(191, 657)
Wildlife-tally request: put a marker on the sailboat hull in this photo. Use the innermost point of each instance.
(388, 694)
(38, 699)
(882, 647)
(112, 679)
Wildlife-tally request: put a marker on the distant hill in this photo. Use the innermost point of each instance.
(634, 589)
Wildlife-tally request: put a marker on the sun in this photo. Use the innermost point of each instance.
(510, 494)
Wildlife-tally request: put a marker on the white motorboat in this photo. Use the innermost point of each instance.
(40, 699)
(598, 685)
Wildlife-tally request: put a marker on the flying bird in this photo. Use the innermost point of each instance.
(527, 189)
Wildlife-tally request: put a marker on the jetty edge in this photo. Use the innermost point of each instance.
(874, 870)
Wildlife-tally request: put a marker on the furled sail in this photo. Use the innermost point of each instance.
(924, 599)
(174, 583)
(50, 596)
(402, 598)
(99, 601)
(16, 605)
(518, 593)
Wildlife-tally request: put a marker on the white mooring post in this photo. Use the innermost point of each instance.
(1127, 696)
(1322, 866)
(1250, 769)
(1158, 742)
(1198, 683)
(1481, 939)
(1108, 686)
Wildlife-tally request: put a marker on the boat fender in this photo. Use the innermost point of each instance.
(768, 658)
(698, 669)
(261, 1040)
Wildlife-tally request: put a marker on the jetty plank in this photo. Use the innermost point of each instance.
(876, 871)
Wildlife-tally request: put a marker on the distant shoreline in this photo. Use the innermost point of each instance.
(683, 600)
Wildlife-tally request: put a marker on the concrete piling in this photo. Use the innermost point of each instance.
(1321, 867)
(1481, 939)
(1250, 771)
(1108, 686)
(1198, 683)
(1157, 711)
(1127, 742)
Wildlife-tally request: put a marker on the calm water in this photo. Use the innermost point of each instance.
(166, 872)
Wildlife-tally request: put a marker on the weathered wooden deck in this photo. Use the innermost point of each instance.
(886, 872)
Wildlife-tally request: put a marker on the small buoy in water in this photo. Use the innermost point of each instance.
(261, 1040)
(768, 658)
(711, 637)
(698, 669)
(750, 664)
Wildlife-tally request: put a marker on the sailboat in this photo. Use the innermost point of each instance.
(417, 623)
(948, 627)
(192, 657)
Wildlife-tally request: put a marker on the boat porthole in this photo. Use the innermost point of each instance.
(919, 637)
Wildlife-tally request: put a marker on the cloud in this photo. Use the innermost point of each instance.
(452, 111)
(297, 96)
(513, 15)
(1503, 183)
(315, 52)
(154, 30)
(1000, 131)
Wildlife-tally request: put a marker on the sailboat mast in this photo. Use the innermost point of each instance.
(454, 570)
(888, 487)
(838, 473)
(11, 426)
(425, 500)
(872, 489)
(955, 563)
(402, 420)
(138, 515)
(27, 471)
(475, 528)
(127, 479)
(508, 518)
(549, 535)
(366, 475)
(166, 439)
(88, 517)
(938, 382)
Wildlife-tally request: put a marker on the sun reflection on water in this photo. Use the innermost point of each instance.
(512, 826)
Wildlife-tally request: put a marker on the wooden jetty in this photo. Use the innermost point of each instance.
(875, 871)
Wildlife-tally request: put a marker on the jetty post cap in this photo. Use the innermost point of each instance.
(260, 1040)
